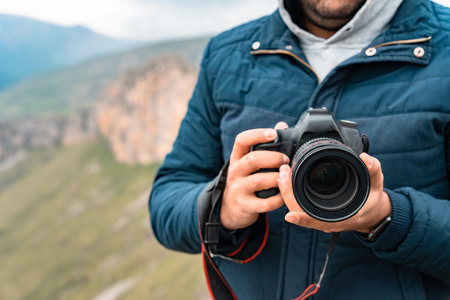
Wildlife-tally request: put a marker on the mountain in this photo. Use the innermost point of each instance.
(65, 90)
(141, 111)
(29, 47)
(74, 225)
(138, 97)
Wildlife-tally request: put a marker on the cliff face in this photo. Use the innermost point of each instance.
(19, 135)
(139, 114)
(141, 111)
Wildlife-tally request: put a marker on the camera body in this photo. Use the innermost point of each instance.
(330, 182)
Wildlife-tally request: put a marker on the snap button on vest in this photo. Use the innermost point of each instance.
(256, 45)
(419, 52)
(371, 51)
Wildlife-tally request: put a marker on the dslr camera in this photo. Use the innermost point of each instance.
(330, 182)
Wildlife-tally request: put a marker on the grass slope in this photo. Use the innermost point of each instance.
(74, 225)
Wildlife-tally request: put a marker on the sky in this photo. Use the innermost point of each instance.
(146, 19)
(143, 19)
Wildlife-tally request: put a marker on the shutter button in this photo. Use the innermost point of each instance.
(256, 45)
(371, 51)
(419, 52)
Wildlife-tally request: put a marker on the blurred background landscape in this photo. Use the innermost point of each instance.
(91, 97)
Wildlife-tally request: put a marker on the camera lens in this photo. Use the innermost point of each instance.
(330, 181)
(327, 177)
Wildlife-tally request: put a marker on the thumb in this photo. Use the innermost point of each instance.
(375, 172)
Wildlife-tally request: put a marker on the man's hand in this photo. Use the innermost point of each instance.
(240, 206)
(377, 206)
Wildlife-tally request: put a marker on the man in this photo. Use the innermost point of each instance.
(384, 64)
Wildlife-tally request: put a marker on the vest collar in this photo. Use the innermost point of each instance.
(413, 24)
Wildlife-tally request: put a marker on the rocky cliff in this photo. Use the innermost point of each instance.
(18, 135)
(141, 111)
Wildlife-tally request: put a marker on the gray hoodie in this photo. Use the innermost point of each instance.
(325, 54)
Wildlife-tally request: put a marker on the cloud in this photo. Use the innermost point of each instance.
(143, 19)
(146, 19)
(172, 19)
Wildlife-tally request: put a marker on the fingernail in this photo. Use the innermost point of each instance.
(291, 218)
(283, 174)
(270, 134)
(286, 159)
(284, 168)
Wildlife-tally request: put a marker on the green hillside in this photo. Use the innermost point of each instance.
(62, 91)
(74, 225)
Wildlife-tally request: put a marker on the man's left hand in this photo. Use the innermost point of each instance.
(377, 207)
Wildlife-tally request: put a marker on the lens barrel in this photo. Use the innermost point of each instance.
(330, 182)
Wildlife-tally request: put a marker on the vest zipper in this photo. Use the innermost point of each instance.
(288, 53)
(411, 41)
(301, 61)
(308, 66)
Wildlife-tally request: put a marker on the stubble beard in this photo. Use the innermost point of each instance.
(330, 14)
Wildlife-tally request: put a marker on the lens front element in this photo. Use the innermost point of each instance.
(331, 183)
(327, 177)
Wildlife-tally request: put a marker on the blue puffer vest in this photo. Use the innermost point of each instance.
(397, 90)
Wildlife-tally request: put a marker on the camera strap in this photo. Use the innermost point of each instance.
(209, 234)
(314, 288)
(209, 228)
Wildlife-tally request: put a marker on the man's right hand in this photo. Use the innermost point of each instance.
(240, 206)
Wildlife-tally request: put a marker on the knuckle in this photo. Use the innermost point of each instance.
(250, 159)
(232, 171)
(235, 188)
(264, 206)
(241, 201)
(232, 184)
(255, 182)
(376, 164)
(240, 139)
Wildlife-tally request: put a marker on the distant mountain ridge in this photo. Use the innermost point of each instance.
(125, 94)
(64, 90)
(29, 47)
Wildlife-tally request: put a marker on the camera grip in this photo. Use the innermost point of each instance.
(267, 193)
(278, 146)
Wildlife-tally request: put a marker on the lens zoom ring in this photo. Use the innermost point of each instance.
(312, 144)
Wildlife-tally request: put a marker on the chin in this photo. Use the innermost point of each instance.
(335, 9)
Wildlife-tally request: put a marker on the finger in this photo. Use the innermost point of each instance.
(375, 172)
(246, 139)
(262, 205)
(303, 220)
(256, 160)
(281, 125)
(261, 181)
(286, 191)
